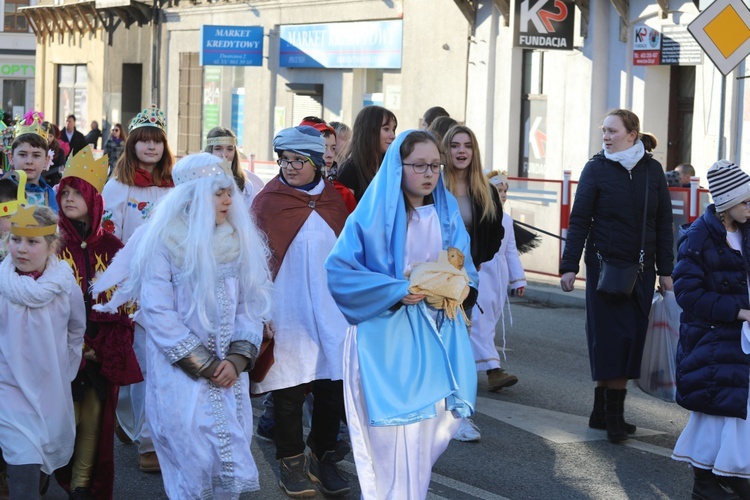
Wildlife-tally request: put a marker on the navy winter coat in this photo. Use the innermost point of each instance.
(710, 283)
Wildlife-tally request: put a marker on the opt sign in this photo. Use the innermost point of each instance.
(544, 24)
(723, 32)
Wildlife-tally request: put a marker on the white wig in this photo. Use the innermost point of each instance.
(192, 203)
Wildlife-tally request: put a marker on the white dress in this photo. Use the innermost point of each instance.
(714, 442)
(126, 208)
(41, 342)
(310, 328)
(395, 462)
(201, 432)
(503, 271)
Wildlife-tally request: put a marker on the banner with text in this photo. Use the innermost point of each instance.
(544, 24)
(231, 46)
(366, 44)
(673, 46)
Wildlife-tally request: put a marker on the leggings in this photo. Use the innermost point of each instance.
(88, 424)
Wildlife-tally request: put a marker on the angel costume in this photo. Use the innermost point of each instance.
(41, 340)
(408, 371)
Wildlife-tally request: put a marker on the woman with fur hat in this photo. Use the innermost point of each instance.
(198, 272)
(302, 215)
(713, 356)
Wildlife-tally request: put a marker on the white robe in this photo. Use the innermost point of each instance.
(126, 208)
(395, 462)
(310, 328)
(40, 353)
(495, 276)
(201, 432)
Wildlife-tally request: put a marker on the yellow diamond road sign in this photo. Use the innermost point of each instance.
(723, 32)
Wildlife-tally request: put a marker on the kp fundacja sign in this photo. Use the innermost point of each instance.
(544, 24)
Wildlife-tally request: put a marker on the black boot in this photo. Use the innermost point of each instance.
(708, 487)
(324, 471)
(614, 407)
(739, 485)
(597, 418)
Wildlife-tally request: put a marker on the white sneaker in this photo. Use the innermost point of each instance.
(467, 431)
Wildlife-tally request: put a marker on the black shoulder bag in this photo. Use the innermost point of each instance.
(616, 282)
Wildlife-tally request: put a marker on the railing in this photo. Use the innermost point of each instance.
(546, 204)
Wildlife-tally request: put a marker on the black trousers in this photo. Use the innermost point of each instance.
(327, 410)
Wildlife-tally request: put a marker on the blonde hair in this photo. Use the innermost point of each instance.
(239, 175)
(478, 185)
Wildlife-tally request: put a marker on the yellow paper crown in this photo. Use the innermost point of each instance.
(11, 207)
(24, 224)
(34, 128)
(84, 166)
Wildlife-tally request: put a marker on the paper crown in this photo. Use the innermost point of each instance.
(84, 166)
(224, 140)
(11, 207)
(149, 117)
(24, 224)
(193, 173)
(31, 123)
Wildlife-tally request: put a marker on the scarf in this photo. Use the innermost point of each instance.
(225, 242)
(281, 211)
(628, 158)
(144, 179)
(26, 291)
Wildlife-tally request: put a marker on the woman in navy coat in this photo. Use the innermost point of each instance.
(713, 365)
(608, 217)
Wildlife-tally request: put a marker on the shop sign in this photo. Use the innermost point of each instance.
(27, 70)
(231, 46)
(544, 24)
(672, 46)
(366, 44)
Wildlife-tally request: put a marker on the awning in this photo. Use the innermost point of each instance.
(86, 16)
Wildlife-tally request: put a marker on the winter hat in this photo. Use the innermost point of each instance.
(674, 179)
(728, 185)
(320, 126)
(303, 140)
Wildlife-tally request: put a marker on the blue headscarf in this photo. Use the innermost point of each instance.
(408, 362)
(303, 140)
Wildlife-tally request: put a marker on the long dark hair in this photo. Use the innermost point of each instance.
(364, 149)
(128, 161)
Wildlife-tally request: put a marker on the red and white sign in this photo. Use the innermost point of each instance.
(646, 46)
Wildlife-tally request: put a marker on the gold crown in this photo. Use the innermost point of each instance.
(149, 117)
(24, 224)
(224, 140)
(11, 207)
(84, 166)
(35, 127)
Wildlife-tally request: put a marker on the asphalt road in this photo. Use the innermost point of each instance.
(535, 440)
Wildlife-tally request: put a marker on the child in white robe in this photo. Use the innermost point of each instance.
(401, 417)
(41, 339)
(200, 277)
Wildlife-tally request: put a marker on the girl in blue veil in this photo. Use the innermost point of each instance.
(409, 370)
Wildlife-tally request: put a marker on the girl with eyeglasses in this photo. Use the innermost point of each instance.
(115, 145)
(401, 417)
(302, 214)
(482, 214)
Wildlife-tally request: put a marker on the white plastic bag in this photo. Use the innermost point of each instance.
(658, 377)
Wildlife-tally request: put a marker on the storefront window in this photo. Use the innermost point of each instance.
(533, 154)
(14, 20)
(14, 97)
(72, 94)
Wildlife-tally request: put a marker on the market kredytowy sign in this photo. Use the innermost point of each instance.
(544, 24)
(365, 44)
(231, 46)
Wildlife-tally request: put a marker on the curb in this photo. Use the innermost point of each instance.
(552, 296)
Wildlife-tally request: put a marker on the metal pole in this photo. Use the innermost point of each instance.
(722, 107)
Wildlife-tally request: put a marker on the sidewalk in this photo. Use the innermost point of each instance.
(545, 290)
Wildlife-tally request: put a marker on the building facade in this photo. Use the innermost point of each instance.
(536, 109)
(17, 61)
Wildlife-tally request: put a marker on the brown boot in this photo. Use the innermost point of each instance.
(497, 379)
(149, 462)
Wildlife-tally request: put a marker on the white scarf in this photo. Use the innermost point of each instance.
(225, 242)
(628, 158)
(26, 291)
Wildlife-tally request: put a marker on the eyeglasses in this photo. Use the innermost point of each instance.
(421, 168)
(295, 164)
